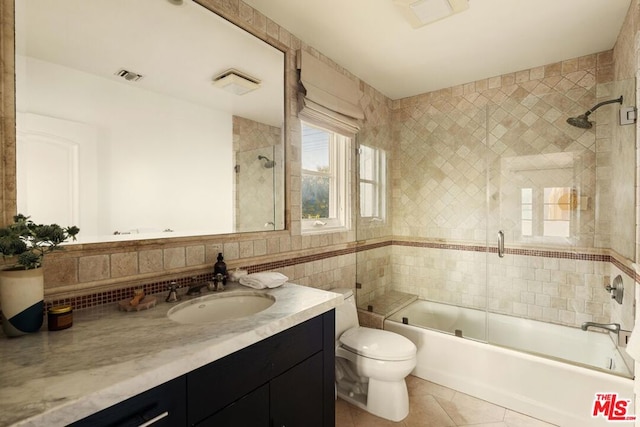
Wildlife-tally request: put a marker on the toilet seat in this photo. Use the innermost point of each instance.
(378, 344)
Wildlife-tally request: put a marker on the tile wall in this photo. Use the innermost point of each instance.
(449, 141)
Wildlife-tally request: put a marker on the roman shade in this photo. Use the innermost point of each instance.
(326, 97)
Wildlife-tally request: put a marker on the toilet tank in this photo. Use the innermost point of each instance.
(346, 313)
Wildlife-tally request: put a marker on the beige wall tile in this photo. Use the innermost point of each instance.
(150, 261)
(124, 264)
(174, 258)
(195, 255)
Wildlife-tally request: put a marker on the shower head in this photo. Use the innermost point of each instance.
(582, 121)
(268, 164)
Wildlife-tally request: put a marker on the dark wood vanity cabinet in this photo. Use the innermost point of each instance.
(284, 380)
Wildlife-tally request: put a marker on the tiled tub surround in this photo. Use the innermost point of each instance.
(53, 378)
(553, 286)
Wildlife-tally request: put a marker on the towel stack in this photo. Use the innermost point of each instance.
(269, 279)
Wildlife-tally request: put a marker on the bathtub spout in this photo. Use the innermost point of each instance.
(613, 327)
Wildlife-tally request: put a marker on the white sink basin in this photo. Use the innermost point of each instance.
(216, 307)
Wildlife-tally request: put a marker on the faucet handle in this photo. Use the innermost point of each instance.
(173, 293)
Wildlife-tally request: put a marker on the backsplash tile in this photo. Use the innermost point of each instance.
(150, 261)
(124, 264)
(94, 267)
(174, 258)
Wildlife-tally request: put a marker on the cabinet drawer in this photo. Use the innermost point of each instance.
(164, 403)
(214, 386)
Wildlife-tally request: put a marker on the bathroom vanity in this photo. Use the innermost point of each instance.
(274, 368)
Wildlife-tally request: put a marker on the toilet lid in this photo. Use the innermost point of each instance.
(378, 344)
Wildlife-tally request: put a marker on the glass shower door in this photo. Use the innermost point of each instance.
(540, 183)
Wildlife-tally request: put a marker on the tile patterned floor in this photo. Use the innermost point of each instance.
(432, 405)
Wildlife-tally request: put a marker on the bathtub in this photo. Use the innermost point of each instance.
(554, 375)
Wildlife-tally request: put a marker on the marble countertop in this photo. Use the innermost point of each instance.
(54, 378)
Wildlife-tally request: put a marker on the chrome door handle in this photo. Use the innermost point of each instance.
(501, 244)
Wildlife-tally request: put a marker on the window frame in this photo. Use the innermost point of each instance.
(339, 189)
(378, 182)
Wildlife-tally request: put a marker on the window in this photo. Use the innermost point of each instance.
(557, 210)
(372, 183)
(527, 211)
(547, 212)
(324, 188)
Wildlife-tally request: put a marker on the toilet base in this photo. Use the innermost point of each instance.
(384, 399)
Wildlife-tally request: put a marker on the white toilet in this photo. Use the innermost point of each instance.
(371, 364)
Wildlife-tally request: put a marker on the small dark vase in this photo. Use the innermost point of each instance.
(220, 267)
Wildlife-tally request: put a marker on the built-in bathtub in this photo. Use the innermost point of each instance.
(554, 375)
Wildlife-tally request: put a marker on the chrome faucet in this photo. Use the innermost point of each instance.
(173, 293)
(613, 327)
(219, 281)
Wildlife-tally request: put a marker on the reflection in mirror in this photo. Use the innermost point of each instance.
(122, 131)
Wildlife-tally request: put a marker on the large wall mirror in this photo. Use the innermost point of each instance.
(131, 126)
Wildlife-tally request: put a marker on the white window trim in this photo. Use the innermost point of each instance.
(379, 184)
(340, 209)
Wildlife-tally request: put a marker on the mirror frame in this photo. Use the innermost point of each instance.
(8, 200)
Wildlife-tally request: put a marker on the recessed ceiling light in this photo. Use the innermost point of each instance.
(236, 82)
(423, 12)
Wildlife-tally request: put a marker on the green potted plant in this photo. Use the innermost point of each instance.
(21, 282)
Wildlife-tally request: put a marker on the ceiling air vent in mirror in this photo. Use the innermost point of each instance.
(129, 75)
(236, 82)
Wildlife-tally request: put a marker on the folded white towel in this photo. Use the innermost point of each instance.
(269, 279)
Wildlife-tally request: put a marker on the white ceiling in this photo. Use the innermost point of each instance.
(372, 40)
(178, 49)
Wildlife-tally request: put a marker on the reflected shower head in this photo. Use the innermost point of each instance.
(582, 121)
(268, 164)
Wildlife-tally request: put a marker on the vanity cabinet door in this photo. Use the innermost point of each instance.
(162, 406)
(221, 383)
(251, 410)
(297, 395)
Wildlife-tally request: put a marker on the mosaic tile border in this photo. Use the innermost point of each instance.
(112, 296)
(115, 295)
(526, 252)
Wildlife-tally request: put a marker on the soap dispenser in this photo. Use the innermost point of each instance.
(220, 270)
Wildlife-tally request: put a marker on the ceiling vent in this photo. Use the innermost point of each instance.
(423, 12)
(129, 75)
(236, 82)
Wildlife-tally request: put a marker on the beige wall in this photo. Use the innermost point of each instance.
(623, 152)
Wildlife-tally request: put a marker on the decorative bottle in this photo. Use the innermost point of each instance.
(220, 269)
